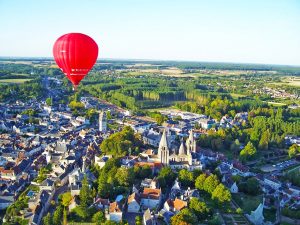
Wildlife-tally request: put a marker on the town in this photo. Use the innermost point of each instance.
(112, 165)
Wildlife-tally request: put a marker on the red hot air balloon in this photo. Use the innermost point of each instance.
(75, 54)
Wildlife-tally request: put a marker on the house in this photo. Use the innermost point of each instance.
(75, 189)
(234, 188)
(74, 203)
(272, 182)
(41, 205)
(207, 123)
(229, 183)
(226, 121)
(115, 212)
(6, 201)
(191, 193)
(47, 184)
(128, 161)
(149, 183)
(102, 203)
(134, 203)
(175, 206)
(150, 198)
(176, 189)
(295, 190)
(151, 137)
(148, 218)
(100, 161)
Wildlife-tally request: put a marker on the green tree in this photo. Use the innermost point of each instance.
(66, 199)
(91, 114)
(293, 150)
(109, 222)
(166, 176)
(199, 208)
(184, 217)
(124, 177)
(264, 140)
(210, 183)
(47, 220)
(119, 143)
(239, 211)
(248, 152)
(235, 146)
(49, 101)
(58, 215)
(138, 220)
(186, 177)
(199, 184)
(98, 218)
(85, 194)
(221, 194)
(252, 186)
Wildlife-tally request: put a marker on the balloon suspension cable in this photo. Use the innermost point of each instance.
(75, 87)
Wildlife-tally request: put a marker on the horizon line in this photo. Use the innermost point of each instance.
(158, 60)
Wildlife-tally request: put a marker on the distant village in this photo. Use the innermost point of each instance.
(70, 144)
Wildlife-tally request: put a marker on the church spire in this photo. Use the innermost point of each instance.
(163, 141)
(191, 142)
(163, 150)
(181, 149)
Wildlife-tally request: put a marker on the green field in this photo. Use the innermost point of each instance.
(291, 81)
(247, 202)
(235, 96)
(15, 81)
(276, 104)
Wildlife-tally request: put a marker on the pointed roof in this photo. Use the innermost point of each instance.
(181, 149)
(257, 216)
(134, 189)
(147, 217)
(134, 197)
(163, 141)
(176, 185)
(177, 204)
(114, 207)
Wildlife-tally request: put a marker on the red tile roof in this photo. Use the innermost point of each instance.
(151, 193)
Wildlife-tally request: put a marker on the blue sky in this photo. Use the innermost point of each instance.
(253, 31)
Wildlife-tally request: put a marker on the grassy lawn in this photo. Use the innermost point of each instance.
(16, 81)
(21, 74)
(247, 202)
(235, 96)
(276, 104)
(270, 214)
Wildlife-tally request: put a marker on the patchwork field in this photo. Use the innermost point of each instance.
(14, 81)
(291, 81)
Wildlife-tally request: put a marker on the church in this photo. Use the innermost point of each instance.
(185, 157)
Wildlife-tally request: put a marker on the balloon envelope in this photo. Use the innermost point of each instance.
(75, 54)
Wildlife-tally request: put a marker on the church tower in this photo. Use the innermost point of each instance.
(102, 122)
(163, 150)
(191, 143)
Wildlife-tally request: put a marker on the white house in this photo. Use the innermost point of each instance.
(150, 198)
(115, 212)
(234, 188)
(175, 206)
